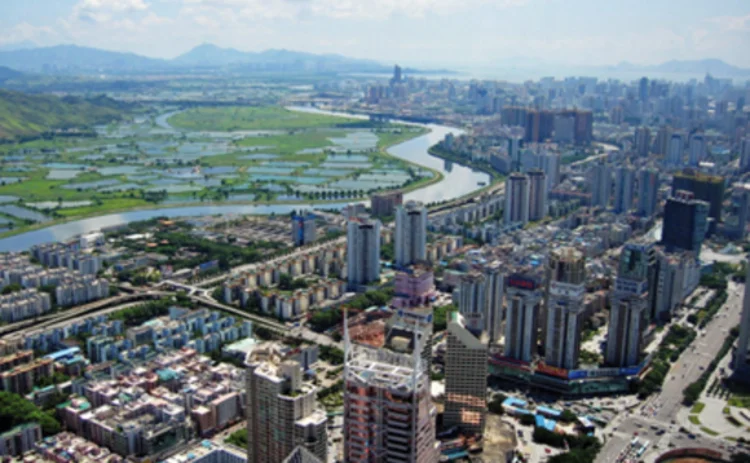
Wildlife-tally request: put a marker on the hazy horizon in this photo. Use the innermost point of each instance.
(427, 33)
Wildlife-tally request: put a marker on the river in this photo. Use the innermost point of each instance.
(458, 181)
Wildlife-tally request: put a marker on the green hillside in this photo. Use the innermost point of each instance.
(25, 116)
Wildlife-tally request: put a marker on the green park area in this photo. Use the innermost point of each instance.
(151, 157)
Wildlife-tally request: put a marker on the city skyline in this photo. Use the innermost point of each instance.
(515, 33)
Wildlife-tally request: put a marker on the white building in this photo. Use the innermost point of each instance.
(624, 189)
(411, 233)
(362, 251)
(516, 199)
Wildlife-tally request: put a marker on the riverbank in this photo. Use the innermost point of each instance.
(485, 167)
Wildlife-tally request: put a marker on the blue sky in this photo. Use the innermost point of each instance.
(413, 32)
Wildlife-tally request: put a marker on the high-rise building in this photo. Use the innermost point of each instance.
(494, 292)
(282, 411)
(470, 296)
(411, 327)
(564, 311)
(564, 129)
(663, 136)
(643, 89)
(362, 251)
(735, 226)
(411, 234)
(675, 151)
(624, 189)
(514, 151)
(584, 127)
(550, 164)
(465, 378)
(629, 313)
(537, 195)
(745, 154)
(648, 192)
(696, 149)
(524, 296)
(388, 411)
(642, 141)
(303, 229)
(516, 199)
(741, 363)
(397, 77)
(709, 188)
(685, 223)
(601, 185)
(384, 204)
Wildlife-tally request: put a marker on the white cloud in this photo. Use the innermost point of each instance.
(24, 31)
(732, 23)
(99, 11)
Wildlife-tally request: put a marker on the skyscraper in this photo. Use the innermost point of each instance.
(709, 188)
(624, 189)
(629, 312)
(303, 229)
(736, 224)
(362, 251)
(745, 154)
(643, 89)
(696, 149)
(494, 292)
(470, 296)
(642, 141)
(550, 164)
(465, 378)
(685, 223)
(601, 185)
(282, 411)
(524, 297)
(411, 233)
(383, 204)
(516, 199)
(648, 192)
(388, 411)
(537, 195)
(566, 288)
(663, 136)
(675, 151)
(741, 362)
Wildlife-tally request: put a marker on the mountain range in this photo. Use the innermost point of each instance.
(75, 59)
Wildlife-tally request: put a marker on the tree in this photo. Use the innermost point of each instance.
(567, 416)
(12, 288)
(527, 420)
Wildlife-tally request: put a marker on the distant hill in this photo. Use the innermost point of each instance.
(75, 59)
(72, 58)
(26, 116)
(715, 67)
(208, 55)
(8, 74)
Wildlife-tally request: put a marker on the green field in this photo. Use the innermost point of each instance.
(138, 164)
(229, 119)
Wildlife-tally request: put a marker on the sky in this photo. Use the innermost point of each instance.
(463, 33)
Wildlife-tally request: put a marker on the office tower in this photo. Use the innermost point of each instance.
(470, 296)
(663, 136)
(685, 223)
(745, 154)
(675, 150)
(397, 77)
(742, 356)
(601, 185)
(643, 89)
(624, 189)
(648, 192)
(465, 378)
(564, 129)
(537, 195)
(735, 225)
(282, 412)
(584, 127)
(709, 188)
(411, 234)
(362, 251)
(524, 298)
(564, 311)
(642, 141)
(550, 164)
(629, 312)
(516, 199)
(384, 204)
(494, 293)
(388, 411)
(303, 229)
(696, 149)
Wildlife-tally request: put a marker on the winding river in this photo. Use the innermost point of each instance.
(458, 181)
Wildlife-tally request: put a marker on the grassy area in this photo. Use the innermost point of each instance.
(708, 431)
(228, 119)
(24, 116)
(698, 408)
(694, 419)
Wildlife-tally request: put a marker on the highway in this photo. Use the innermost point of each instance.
(661, 409)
